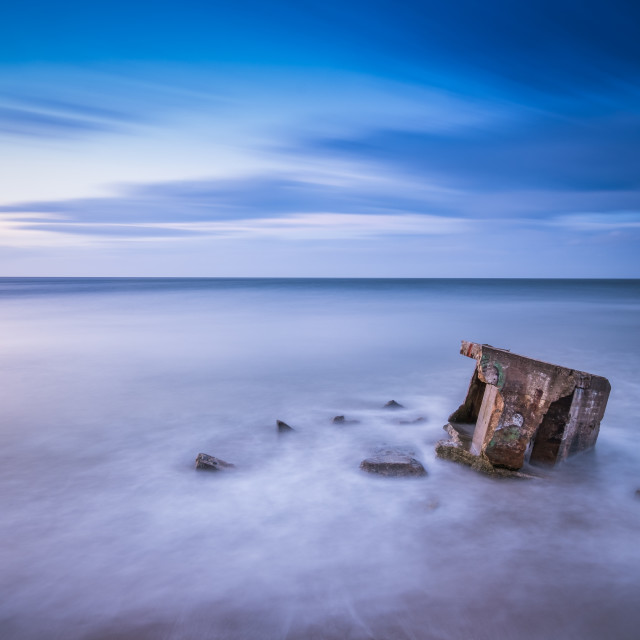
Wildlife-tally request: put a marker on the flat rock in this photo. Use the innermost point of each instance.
(343, 420)
(392, 404)
(283, 427)
(393, 464)
(209, 463)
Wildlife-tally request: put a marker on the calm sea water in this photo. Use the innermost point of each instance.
(109, 389)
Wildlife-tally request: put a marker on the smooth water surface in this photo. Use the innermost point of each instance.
(109, 389)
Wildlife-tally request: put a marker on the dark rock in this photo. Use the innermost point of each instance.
(283, 427)
(393, 463)
(343, 420)
(431, 505)
(209, 463)
(392, 404)
(416, 421)
(637, 493)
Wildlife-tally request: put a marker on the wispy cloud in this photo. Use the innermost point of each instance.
(541, 151)
(40, 123)
(68, 102)
(261, 205)
(258, 196)
(597, 222)
(320, 205)
(309, 226)
(78, 109)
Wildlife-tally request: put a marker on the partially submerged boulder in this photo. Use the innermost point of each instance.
(283, 427)
(209, 463)
(415, 421)
(392, 404)
(343, 420)
(393, 463)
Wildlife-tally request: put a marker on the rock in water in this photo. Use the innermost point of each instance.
(283, 427)
(392, 404)
(343, 420)
(416, 421)
(209, 463)
(393, 464)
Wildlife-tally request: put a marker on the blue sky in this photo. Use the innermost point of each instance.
(373, 139)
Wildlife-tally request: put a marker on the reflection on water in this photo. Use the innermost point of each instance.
(109, 390)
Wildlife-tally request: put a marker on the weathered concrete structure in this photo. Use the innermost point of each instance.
(520, 410)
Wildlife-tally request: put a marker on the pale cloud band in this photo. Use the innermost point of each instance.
(306, 226)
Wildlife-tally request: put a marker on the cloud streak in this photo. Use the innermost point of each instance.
(546, 152)
(309, 226)
(38, 124)
(261, 205)
(257, 196)
(288, 209)
(597, 222)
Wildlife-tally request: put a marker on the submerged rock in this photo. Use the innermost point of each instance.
(209, 463)
(343, 420)
(283, 427)
(392, 404)
(416, 421)
(393, 463)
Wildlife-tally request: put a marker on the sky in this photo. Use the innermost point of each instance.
(320, 138)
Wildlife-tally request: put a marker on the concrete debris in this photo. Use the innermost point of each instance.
(283, 427)
(448, 450)
(209, 463)
(393, 463)
(392, 404)
(519, 410)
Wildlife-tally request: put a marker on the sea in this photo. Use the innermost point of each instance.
(109, 388)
